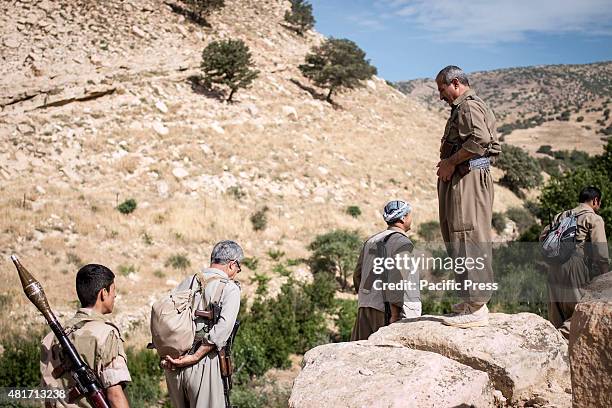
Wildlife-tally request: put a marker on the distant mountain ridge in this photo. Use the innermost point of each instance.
(528, 97)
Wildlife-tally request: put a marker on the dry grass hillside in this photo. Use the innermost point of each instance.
(565, 106)
(97, 107)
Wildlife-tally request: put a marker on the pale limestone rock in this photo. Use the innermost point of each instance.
(523, 354)
(161, 106)
(290, 112)
(160, 129)
(363, 374)
(591, 347)
(163, 189)
(138, 32)
(217, 128)
(180, 172)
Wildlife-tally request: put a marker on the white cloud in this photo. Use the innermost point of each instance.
(495, 21)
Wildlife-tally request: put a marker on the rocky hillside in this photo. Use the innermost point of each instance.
(98, 105)
(566, 106)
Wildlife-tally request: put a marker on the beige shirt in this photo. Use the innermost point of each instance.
(99, 344)
(472, 124)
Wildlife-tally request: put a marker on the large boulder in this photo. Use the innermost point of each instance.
(524, 356)
(363, 374)
(590, 346)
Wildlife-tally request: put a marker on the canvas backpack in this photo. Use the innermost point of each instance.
(560, 242)
(173, 325)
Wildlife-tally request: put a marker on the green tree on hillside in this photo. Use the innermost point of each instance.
(335, 252)
(337, 64)
(228, 62)
(202, 7)
(520, 169)
(561, 192)
(300, 17)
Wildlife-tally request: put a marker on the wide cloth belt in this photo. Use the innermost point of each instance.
(480, 163)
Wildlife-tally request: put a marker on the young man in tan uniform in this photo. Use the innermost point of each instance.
(566, 281)
(96, 339)
(465, 191)
(371, 297)
(194, 380)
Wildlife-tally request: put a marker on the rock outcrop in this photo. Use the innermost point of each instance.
(522, 353)
(415, 362)
(590, 346)
(364, 374)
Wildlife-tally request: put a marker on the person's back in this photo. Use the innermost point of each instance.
(194, 379)
(590, 258)
(377, 266)
(97, 340)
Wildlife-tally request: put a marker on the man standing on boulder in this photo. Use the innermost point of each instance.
(378, 265)
(590, 259)
(465, 192)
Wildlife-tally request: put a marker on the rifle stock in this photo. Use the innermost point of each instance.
(85, 380)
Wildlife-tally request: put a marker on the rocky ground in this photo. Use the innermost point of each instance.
(98, 105)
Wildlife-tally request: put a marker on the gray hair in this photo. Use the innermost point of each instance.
(447, 74)
(226, 251)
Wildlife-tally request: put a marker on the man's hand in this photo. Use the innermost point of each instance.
(187, 359)
(445, 170)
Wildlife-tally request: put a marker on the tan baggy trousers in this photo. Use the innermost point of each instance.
(466, 210)
(197, 386)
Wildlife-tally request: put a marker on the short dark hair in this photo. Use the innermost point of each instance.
(90, 280)
(588, 194)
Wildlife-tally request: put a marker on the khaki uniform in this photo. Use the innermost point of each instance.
(371, 301)
(567, 281)
(200, 385)
(100, 345)
(466, 203)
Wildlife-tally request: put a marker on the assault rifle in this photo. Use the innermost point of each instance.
(84, 378)
(225, 362)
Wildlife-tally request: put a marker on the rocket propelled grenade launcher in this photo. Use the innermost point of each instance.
(84, 378)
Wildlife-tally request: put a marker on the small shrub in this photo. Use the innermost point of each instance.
(345, 317)
(74, 259)
(337, 64)
(545, 149)
(146, 238)
(251, 263)
(159, 274)
(262, 283)
(520, 170)
(430, 231)
(353, 210)
(125, 270)
(144, 390)
(236, 192)
(499, 222)
(281, 270)
(295, 262)
(579, 118)
(228, 63)
(275, 254)
(127, 207)
(522, 217)
(259, 219)
(178, 261)
(19, 363)
(300, 17)
(334, 253)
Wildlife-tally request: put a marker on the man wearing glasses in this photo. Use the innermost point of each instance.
(194, 380)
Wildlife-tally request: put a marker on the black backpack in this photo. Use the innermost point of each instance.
(560, 241)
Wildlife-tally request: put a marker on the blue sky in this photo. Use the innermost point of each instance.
(407, 39)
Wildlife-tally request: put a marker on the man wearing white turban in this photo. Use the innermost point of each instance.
(381, 281)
